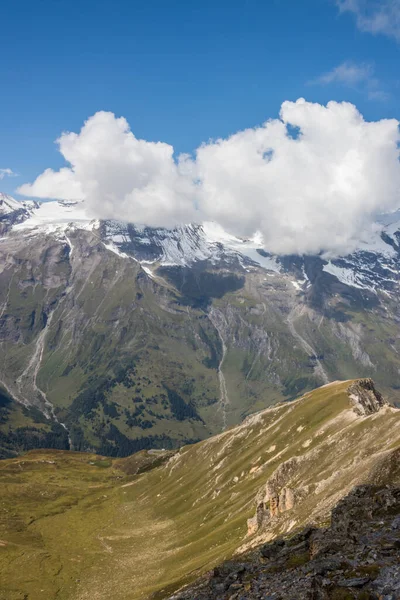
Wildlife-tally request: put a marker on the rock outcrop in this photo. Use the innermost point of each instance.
(277, 495)
(356, 557)
(282, 491)
(365, 397)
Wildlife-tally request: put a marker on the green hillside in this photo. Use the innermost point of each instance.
(81, 527)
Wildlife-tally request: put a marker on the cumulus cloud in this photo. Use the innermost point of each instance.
(118, 175)
(375, 16)
(6, 173)
(310, 181)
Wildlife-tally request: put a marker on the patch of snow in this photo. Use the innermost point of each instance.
(248, 248)
(298, 285)
(110, 246)
(118, 239)
(148, 271)
(52, 217)
(346, 276)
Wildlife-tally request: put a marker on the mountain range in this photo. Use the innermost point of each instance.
(117, 337)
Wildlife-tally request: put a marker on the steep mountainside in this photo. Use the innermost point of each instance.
(356, 557)
(80, 527)
(128, 337)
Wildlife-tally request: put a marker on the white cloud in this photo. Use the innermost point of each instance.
(6, 173)
(348, 73)
(313, 192)
(357, 76)
(375, 16)
(118, 175)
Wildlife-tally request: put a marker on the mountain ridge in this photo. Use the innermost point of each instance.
(143, 526)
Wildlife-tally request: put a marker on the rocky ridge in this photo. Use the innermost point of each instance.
(144, 526)
(276, 496)
(356, 557)
(365, 397)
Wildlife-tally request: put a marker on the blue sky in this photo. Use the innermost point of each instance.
(180, 71)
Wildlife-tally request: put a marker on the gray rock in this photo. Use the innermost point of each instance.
(354, 582)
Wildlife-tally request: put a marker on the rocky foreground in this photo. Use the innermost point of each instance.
(358, 556)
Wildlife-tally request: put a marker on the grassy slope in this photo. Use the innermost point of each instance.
(76, 527)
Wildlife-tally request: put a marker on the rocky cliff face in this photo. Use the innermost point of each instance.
(284, 489)
(365, 397)
(356, 557)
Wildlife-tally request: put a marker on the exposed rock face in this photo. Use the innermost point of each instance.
(365, 397)
(286, 500)
(273, 504)
(356, 557)
(276, 496)
(282, 491)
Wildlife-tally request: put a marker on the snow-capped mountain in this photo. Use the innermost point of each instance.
(13, 212)
(181, 246)
(132, 337)
(374, 265)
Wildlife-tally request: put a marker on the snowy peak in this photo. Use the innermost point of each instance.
(13, 212)
(188, 244)
(182, 246)
(8, 205)
(374, 265)
(56, 217)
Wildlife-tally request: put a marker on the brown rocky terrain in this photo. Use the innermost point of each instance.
(357, 556)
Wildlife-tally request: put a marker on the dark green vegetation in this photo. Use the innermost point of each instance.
(24, 429)
(199, 287)
(75, 526)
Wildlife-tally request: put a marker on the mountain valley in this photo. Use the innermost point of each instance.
(144, 526)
